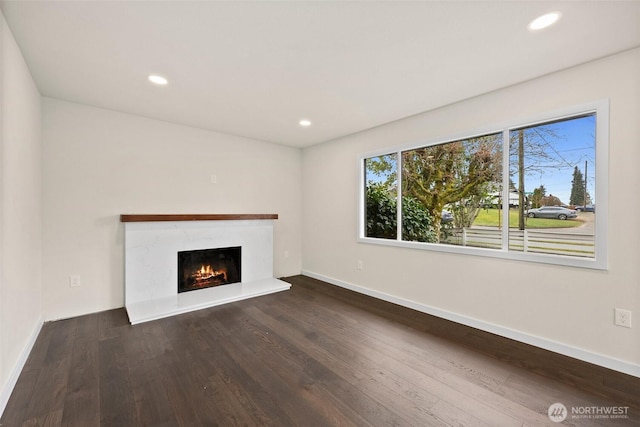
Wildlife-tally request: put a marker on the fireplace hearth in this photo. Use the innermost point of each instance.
(204, 268)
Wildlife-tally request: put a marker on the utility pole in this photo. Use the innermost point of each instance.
(585, 185)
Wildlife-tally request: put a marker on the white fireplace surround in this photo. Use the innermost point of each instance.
(151, 264)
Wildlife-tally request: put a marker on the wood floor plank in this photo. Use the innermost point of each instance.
(186, 403)
(222, 391)
(316, 355)
(51, 419)
(82, 400)
(265, 393)
(40, 348)
(16, 410)
(50, 390)
(112, 323)
(190, 396)
(62, 339)
(151, 399)
(117, 404)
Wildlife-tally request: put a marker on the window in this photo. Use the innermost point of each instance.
(449, 184)
(381, 192)
(522, 191)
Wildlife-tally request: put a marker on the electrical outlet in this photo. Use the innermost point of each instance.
(286, 254)
(359, 265)
(623, 317)
(214, 179)
(74, 281)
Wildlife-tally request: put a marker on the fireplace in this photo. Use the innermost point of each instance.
(204, 268)
(152, 243)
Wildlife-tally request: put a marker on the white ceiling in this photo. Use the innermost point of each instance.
(255, 69)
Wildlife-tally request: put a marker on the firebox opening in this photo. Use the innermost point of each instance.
(204, 268)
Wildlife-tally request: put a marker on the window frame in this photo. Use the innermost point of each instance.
(599, 261)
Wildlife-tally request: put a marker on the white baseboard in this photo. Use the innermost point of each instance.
(556, 347)
(17, 369)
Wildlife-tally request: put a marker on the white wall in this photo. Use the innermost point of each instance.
(569, 306)
(99, 164)
(20, 212)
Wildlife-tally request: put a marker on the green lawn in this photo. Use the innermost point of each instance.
(491, 218)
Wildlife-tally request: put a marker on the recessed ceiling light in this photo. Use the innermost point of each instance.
(159, 80)
(304, 122)
(543, 21)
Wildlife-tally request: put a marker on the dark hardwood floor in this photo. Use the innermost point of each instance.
(315, 355)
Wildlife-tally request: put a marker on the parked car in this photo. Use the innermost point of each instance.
(555, 212)
(446, 217)
(588, 208)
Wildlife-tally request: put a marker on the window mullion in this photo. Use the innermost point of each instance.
(399, 196)
(505, 189)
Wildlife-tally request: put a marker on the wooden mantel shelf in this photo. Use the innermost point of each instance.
(193, 217)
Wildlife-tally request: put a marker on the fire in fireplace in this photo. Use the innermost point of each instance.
(204, 268)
